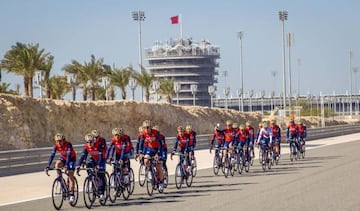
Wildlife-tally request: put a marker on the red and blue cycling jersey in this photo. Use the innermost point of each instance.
(67, 153)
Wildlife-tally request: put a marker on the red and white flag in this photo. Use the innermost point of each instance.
(174, 19)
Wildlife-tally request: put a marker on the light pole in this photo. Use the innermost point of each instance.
(71, 79)
(239, 93)
(290, 43)
(251, 94)
(350, 66)
(240, 36)
(283, 17)
(156, 86)
(355, 70)
(39, 77)
(132, 85)
(194, 89)
(177, 87)
(139, 16)
(105, 82)
(211, 90)
(226, 92)
(262, 95)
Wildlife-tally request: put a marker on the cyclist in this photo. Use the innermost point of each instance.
(276, 133)
(123, 148)
(192, 140)
(251, 135)
(243, 136)
(218, 135)
(302, 132)
(292, 133)
(99, 139)
(140, 132)
(164, 151)
(229, 134)
(264, 138)
(151, 146)
(67, 159)
(97, 159)
(182, 140)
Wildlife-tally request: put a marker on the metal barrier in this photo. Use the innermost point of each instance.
(34, 160)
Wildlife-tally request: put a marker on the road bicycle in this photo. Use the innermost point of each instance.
(302, 147)
(293, 150)
(242, 161)
(93, 185)
(142, 171)
(152, 178)
(217, 162)
(121, 181)
(60, 190)
(182, 171)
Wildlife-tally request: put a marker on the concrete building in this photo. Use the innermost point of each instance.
(188, 63)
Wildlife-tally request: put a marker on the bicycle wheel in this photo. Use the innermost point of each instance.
(89, 193)
(194, 167)
(57, 193)
(76, 193)
(247, 166)
(132, 180)
(150, 182)
(227, 167)
(189, 179)
(263, 162)
(232, 166)
(178, 176)
(252, 156)
(142, 176)
(103, 202)
(113, 188)
(166, 179)
(216, 165)
(291, 153)
(303, 151)
(241, 166)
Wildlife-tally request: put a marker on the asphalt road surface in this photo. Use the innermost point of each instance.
(327, 179)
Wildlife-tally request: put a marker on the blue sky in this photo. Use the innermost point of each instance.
(324, 33)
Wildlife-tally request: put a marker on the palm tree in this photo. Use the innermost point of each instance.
(120, 78)
(145, 80)
(80, 78)
(94, 71)
(24, 60)
(167, 88)
(47, 65)
(4, 89)
(58, 87)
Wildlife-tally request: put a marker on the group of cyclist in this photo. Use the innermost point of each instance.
(151, 144)
(233, 136)
(267, 137)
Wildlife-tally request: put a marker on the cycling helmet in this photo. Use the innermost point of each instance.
(115, 131)
(188, 127)
(155, 127)
(95, 133)
(180, 128)
(235, 125)
(217, 125)
(140, 128)
(147, 123)
(242, 127)
(248, 123)
(265, 124)
(121, 131)
(59, 137)
(89, 137)
(228, 122)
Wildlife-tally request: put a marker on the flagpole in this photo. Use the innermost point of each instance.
(181, 33)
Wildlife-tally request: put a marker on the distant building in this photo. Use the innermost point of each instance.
(188, 63)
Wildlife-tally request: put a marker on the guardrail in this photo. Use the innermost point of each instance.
(34, 160)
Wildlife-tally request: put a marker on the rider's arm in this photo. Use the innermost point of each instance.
(52, 155)
(68, 154)
(141, 144)
(110, 151)
(84, 154)
(176, 144)
(138, 144)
